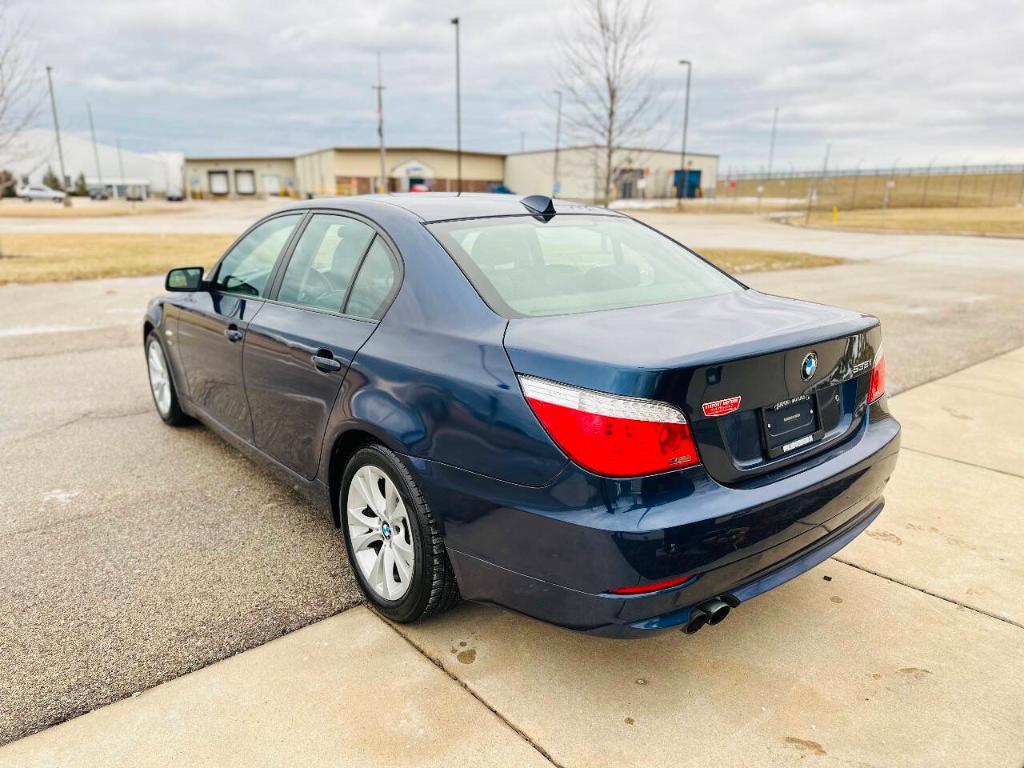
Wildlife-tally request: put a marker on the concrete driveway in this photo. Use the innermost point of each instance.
(906, 649)
(135, 554)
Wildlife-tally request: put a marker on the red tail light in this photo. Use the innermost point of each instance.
(611, 435)
(877, 386)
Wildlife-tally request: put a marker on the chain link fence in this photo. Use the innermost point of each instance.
(873, 188)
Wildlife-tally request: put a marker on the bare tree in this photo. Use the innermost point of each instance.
(607, 78)
(19, 92)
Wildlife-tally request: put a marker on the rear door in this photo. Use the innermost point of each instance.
(327, 301)
(211, 324)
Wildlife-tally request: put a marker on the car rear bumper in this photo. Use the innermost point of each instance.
(554, 552)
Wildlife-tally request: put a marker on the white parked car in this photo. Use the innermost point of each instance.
(40, 192)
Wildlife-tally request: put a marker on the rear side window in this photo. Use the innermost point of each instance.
(324, 260)
(373, 284)
(247, 267)
(524, 266)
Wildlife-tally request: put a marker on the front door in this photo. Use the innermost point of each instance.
(298, 349)
(212, 323)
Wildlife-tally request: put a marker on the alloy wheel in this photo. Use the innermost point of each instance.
(380, 533)
(159, 379)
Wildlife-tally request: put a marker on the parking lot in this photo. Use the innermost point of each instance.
(135, 554)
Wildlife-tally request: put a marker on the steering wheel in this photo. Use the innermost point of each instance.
(315, 286)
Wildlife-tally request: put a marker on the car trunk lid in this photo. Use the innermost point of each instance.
(733, 363)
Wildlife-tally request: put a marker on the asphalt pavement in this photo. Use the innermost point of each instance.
(134, 553)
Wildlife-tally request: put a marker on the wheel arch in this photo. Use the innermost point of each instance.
(344, 445)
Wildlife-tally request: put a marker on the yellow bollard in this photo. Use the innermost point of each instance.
(835, 214)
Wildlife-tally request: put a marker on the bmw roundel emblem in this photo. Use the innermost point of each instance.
(809, 365)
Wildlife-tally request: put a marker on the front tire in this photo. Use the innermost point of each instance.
(392, 539)
(161, 383)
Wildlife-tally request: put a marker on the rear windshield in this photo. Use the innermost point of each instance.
(524, 266)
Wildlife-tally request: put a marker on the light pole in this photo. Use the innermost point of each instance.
(683, 181)
(120, 165)
(95, 150)
(382, 185)
(558, 133)
(771, 146)
(458, 108)
(56, 129)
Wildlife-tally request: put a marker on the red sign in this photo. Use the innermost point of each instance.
(721, 407)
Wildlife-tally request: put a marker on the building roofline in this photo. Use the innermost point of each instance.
(418, 148)
(598, 146)
(235, 158)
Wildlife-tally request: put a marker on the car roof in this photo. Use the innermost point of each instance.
(445, 206)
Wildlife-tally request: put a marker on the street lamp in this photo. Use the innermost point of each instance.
(683, 181)
(458, 108)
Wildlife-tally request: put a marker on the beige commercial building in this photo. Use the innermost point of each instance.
(356, 171)
(640, 173)
(239, 176)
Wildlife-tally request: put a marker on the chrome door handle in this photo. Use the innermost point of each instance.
(324, 361)
(233, 333)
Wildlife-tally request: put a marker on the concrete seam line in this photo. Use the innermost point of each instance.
(440, 665)
(961, 461)
(981, 611)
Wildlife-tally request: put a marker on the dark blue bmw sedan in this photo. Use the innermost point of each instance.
(532, 403)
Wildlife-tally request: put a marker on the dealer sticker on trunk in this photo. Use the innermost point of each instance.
(721, 407)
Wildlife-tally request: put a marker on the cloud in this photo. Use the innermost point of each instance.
(908, 79)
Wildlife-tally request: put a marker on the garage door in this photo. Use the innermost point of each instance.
(272, 185)
(245, 182)
(218, 182)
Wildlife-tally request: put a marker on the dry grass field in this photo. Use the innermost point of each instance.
(737, 261)
(83, 208)
(37, 258)
(1005, 222)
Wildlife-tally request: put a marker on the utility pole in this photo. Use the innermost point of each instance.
(458, 107)
(95, 150)
(556, 186)
(771, 146)
(382, 184)
(120, 163)
(56, 129)
(683, 181)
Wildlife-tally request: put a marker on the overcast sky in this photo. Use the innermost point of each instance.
(895, 81)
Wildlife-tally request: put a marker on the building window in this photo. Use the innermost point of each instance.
(218, 182)
(245, 182)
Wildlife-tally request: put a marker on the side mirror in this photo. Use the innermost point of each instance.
(184, 279)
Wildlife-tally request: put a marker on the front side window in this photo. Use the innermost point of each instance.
(324, 261)
(247, 267)
(524, 266)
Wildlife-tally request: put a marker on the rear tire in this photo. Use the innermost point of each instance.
(161, 383)
(393, 542)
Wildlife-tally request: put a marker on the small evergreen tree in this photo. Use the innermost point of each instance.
(50, 179)
(80, 189)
